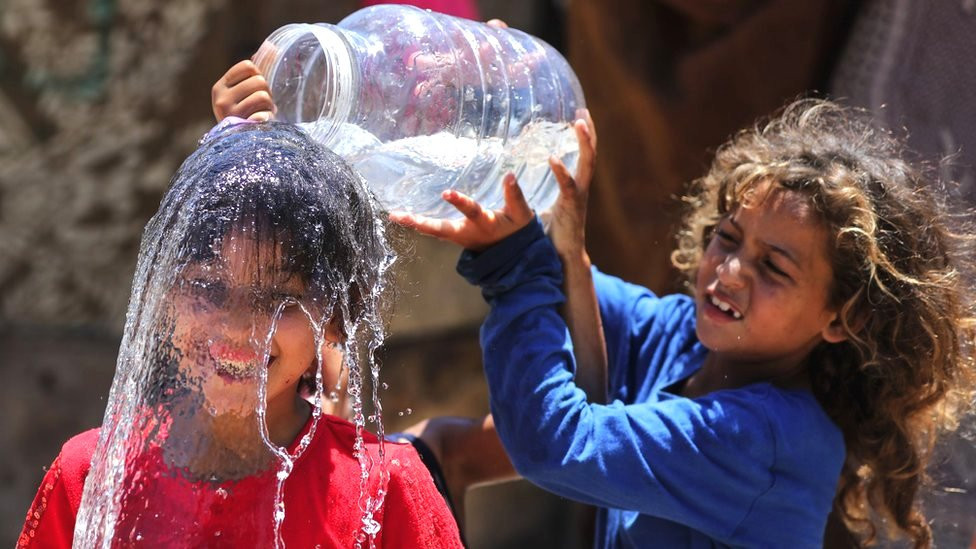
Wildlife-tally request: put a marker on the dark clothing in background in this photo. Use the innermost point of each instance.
(913, 65)
(667, 82)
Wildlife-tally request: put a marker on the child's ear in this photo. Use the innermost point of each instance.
(835, 332)
(334, 332)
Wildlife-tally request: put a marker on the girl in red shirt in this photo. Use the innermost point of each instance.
(260, 280)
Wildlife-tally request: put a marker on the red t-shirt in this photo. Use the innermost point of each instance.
(321, 497)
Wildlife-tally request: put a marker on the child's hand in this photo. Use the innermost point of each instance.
(568, 213)
(243, 92)
(480, 228)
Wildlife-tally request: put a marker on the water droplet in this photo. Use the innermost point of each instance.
(370, 525)
(406, 412)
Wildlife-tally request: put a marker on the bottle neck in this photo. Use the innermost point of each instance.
(312, 75)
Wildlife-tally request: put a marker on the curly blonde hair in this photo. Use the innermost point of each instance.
(905, 372)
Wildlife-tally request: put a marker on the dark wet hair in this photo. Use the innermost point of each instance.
(272, 183)
(269, 186)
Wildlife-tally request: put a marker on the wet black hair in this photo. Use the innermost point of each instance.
(276, 185)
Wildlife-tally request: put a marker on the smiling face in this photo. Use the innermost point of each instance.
(762, 284)
(224, 309)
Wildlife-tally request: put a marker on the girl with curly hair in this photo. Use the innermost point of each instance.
(825, 343)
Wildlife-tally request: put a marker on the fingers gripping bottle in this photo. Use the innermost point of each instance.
(420, 102)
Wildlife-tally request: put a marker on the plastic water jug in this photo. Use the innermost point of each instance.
(419, 102)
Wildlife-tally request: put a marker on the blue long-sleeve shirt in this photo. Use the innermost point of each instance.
(755, 466)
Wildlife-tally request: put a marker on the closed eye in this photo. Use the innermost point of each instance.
(214, 291)
(290, 299)
(776, 270)
(272, 299)
(725, 237)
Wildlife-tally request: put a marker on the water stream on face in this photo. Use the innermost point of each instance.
(409, 174)
(258, 223)
(287, 460)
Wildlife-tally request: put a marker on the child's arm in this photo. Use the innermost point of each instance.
(567, 231)
(243, 92)
(481, 229)
(469, 451)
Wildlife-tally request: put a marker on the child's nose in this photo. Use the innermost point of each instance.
(240, 319)
(730, 272)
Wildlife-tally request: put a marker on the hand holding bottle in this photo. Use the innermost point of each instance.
(566, 219)
(243, 92)
(480, 227)
(567, 224)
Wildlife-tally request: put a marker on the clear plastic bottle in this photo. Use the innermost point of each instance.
(420, 102)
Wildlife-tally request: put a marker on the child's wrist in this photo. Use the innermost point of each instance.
(575, 255)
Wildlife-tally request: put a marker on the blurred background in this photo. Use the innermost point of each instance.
(101, 100)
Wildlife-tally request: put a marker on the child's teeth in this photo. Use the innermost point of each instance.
(234, 367)
(725, 307)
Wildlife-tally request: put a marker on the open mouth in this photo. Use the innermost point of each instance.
(234, 363)
(724, 307)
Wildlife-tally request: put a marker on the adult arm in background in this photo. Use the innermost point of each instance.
(714, 12)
